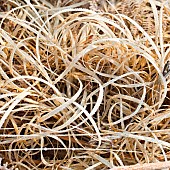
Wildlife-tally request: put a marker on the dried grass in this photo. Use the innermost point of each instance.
(84, 88)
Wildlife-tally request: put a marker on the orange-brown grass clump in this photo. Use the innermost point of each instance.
(84, 84)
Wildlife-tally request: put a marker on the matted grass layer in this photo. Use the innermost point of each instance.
(84, 84)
